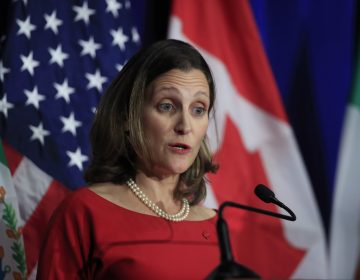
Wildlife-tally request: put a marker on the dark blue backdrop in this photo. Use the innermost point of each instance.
(310, 45)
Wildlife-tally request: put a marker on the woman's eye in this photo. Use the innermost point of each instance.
(166, 107)
(199, 111)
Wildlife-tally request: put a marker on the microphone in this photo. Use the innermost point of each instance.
(264, 193)
(268, 196)
(228, 268)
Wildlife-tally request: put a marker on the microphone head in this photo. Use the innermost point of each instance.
(264, 193)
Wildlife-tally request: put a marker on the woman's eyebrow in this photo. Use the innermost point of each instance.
(175, 90)
(202, 93)
(168, 88)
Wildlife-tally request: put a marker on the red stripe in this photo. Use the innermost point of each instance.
(13, 157)
(228, 31)
(35, 228)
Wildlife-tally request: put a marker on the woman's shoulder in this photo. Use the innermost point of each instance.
(82, 198)
(105, 189)
(77, 196)
(116, 194)
(89, 200)
(74, 199)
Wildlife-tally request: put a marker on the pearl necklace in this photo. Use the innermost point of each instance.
(180, 216)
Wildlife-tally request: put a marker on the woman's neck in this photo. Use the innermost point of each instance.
(160, 189)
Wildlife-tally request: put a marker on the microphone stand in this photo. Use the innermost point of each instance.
(228, 268)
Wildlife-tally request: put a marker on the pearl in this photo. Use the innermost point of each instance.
(180, 216)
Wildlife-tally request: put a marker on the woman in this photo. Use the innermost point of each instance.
(141, 218)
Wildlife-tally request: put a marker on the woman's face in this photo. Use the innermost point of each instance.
(175, 119)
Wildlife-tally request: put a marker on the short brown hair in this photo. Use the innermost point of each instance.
(117, 130)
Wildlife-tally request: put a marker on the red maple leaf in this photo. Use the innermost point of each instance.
(258, 241)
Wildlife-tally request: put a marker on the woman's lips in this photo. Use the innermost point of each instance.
(180, 148)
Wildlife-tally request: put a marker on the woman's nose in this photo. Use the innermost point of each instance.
(183, 125)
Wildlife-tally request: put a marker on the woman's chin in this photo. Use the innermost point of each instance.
(171, 168)
(179, 169)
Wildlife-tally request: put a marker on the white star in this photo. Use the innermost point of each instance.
(52, 22)
(77, 158)
(70, 124)
(4, 105)
(119, 66)
(135, 35)
(83, 13)
(64, 91)
(95, 80)
(127, 4)
(58, 56)
(3, 71)
(113, 6)
(25, 27)
(89, 47)
(29, 63)
(39, 133)
(33, 97)
(119, 38)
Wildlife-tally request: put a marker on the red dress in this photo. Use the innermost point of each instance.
(92, 238)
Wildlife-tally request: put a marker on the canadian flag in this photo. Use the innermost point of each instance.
(253, 143)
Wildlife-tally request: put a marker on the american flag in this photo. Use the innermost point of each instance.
(56, 59)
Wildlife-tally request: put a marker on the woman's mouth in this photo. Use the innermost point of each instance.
(180, 148)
